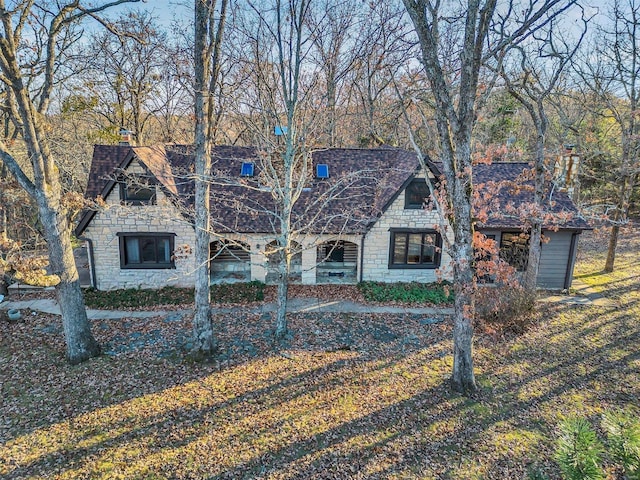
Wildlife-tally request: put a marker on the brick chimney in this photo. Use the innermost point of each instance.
(565, 172)
(126, 136)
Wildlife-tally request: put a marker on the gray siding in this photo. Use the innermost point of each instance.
(554, 260)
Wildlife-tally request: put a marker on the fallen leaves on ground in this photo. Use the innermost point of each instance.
(346, 396)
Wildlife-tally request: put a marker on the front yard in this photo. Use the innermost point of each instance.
(350, 396)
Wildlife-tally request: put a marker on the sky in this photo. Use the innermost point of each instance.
(166, 11)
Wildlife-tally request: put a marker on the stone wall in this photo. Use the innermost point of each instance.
(164, 217)
(377, 241)
(117, 218)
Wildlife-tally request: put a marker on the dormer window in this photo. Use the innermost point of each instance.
(247, 169)
(416, 194)
(322, 170)
(138, 190)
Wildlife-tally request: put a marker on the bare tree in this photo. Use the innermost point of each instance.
(336, 50)
(611, 74)
(47, 29)
(278, 94)
(172, 101)
(122, 73)
(455, 41)
(531, 73)
(383, 54)
(210, 18)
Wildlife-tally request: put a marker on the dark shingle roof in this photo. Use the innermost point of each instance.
(106, 159)
(503, 209)
(361, 184)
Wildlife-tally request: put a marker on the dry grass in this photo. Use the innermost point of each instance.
(361, 397)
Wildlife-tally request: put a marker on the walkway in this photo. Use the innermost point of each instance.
(296, 305)
(585, 296)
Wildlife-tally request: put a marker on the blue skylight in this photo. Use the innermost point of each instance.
(247, 169)
(322, 170)
(279, 130)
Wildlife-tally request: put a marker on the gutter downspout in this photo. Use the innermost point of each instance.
(92, 271)
(362, 254)
(568, 276)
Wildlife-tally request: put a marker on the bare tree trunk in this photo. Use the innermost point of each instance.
(284, 264)
(331, 109)
(622, 210)
(3, 227)
(463, 377)
(479, 34)
(203, 339)
(80, 342)
(530, 280)
(454, 130)
(611, 251)
(46, 190)
(45, 186)
(283, 289)
(208, 41)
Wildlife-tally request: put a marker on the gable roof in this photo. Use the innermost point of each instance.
(362, 184)
(106, 159)
(109, 161)
(502, 209)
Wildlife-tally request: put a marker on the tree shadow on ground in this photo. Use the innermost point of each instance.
(381, 408)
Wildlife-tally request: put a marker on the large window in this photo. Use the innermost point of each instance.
(138, 190)
(514, 249)
(416, 194)
(415, 249)
(146, 250)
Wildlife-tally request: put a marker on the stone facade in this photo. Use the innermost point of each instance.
(164, 217)
(117, 218)
(377, 245)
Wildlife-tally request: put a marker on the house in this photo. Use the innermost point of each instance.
(361, 215)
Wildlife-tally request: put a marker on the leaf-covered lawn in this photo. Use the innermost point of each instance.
(360, 397)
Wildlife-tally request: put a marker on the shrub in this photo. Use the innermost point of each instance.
(136, 297)
(504, 309)
(578, 451)
(623, 439)
(140, 298)
(534, 473)
(413, 292)
(237, 292)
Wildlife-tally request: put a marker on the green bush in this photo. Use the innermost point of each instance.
(579, 452)
(534, 473)
(623, 439)
(237, 292)
(413, 292)
(137, 297)
(140, 298)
